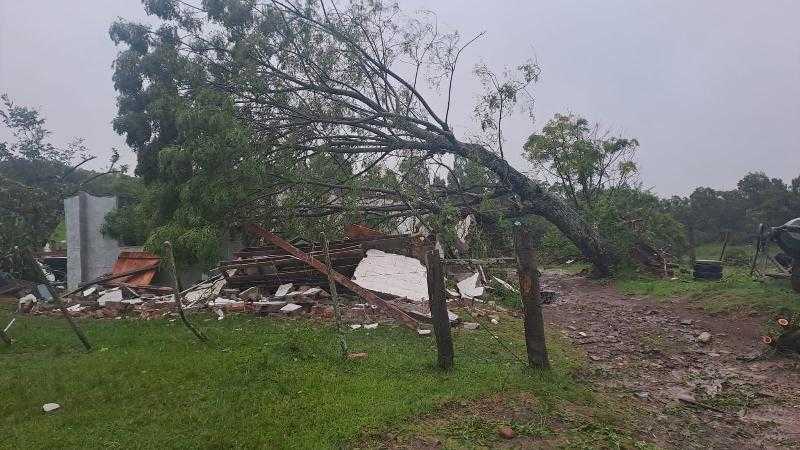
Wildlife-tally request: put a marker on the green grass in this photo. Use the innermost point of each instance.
(264, 383)
(737, 291)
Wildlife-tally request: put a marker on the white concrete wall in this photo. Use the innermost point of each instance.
(89, 253)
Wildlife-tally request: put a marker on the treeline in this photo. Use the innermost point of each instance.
(758, 199)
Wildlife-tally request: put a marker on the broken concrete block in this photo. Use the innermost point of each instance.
(283, 289)
(291, 308)
(204, 291)
(49, 407)
(90, 291)
(110, 296)
(371, 326)
(219, 301)
(355, 326)
(704, 337)
(251, 293)
(471, 325)
(312, 291)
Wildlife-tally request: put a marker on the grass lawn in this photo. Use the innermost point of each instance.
(265, 383)
(737, 291)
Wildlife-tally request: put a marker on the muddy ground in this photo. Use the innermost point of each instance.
(731, 392)
(728, 392)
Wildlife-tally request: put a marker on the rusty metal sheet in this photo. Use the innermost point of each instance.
(127, 261)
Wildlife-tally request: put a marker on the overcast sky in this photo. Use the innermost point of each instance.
(711, 89)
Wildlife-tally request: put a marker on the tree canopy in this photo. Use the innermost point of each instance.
(329, 110)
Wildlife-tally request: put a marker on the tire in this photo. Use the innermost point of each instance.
(708, 270)
(707, 276)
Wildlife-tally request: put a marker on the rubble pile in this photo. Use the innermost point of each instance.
(268, 281)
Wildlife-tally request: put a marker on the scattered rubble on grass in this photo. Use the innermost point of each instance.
(267, 280)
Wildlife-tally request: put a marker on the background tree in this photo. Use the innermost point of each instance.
(582, 161)
(36, 175)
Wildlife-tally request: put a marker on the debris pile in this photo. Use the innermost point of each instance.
(385, 276)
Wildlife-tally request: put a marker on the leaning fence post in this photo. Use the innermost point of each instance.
(57, 299)
(177, 294)
(531, 297)
(439, 315)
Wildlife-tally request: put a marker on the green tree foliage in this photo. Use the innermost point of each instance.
(757, 199)
(582, 162)
(597, 173)
(327, 95)
(36, 175)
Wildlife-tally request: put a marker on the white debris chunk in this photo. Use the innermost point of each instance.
(505, 284)
(371, 326)
(76, 308)
(290, 308)
(48, 407)
(204, 291)
(469, 287)
(462, 232)
(283, 289)
(355, 326)
(312, 291)
(220, 314)
(28, 299)
(220, 301)
(110, 296)
(471, 325)
(90, 291)
(392, 274)
(251, 293)
(133, 301)
(423, 332)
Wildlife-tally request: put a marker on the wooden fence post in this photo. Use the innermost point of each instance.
(438, 304)
(531, 297)
(34, 265)
(177, 295)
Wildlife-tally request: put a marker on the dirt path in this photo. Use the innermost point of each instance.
(649, 349)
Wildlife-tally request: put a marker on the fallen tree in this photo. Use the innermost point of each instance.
(342, 82)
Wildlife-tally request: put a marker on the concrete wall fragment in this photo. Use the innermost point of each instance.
(89, 253)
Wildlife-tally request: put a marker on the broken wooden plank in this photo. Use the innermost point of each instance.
(365, 294)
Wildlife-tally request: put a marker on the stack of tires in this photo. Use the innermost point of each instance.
(707, 270)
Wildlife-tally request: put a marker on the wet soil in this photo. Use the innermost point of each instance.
(729, 392)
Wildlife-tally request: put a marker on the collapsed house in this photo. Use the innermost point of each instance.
(383, 276)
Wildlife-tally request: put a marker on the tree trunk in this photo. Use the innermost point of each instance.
(531, 298)
(438, 306)
(538, 200)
